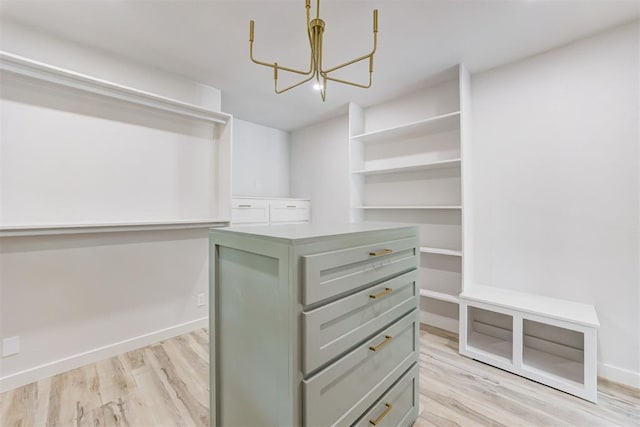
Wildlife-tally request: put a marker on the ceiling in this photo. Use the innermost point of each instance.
(207, 40)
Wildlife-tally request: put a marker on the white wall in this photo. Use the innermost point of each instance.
(320, 168)
(260, 160)
(85, 297)
(556, 183)
(75, 299)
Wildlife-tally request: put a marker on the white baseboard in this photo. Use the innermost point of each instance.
(619, 375)
(442, 322)
(62, 365)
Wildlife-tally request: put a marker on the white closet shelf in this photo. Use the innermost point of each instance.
(437, 124)
(563, 310)
(56, 229)
(49, 73)
(411, 168)
(440, 251)
(405, 207)
(440, 296)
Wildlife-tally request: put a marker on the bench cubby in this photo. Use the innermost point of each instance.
(548, 340)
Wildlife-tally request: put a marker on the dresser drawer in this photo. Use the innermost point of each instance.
(331, 273)
(398, 406)
(341, 393)
(249, 211)
(332, 329)
(289, 211)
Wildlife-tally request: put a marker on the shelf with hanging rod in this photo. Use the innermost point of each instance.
(26, 67)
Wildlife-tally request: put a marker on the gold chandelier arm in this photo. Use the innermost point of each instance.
(363, 57)
(333, 79)
(275, 80)
(266, 64)
(323, 89)
(325, 76)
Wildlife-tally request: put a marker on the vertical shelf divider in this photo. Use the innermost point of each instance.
(356, 162)
(518, 340)
(466, 174)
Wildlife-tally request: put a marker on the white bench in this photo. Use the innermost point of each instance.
(548, 340)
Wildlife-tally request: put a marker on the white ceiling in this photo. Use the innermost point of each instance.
(207, 40)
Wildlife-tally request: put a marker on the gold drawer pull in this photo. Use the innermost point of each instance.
(387, 340)
(382, 415)
(380, 253)
(244, 206)
(386, 291)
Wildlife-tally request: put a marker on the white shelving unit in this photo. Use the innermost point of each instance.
(437, 124)
(40, 71)
(548, 340)
(407, 160)
(447, 207)
(411, 168)
(214, 204)
(440, 251)
(442, 296)
(60, 229)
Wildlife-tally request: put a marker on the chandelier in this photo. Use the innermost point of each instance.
(315, 30)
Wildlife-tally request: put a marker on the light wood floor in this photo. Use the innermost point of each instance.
(166, 385)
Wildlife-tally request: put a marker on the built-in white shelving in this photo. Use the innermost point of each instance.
(441, 296)
(38, 70)
(107, 227)
(431, 125)
(440, 251)
(16, 69)
(411, 168)
(407, 164)
(437, 207)
(549, 340)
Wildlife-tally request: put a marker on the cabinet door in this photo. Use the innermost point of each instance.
(249, 211)
(289, 211)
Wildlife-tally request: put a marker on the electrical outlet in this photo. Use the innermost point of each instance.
(201, 300)
(10, 346)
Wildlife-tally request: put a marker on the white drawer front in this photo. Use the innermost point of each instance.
(340, 394)
(249, 211)
(289, 211)
(398, 406)
(331, 273)
(334, 328)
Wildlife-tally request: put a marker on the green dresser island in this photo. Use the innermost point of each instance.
(314, 325)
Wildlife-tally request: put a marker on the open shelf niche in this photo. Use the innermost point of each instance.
(407, 162)
(491, 333)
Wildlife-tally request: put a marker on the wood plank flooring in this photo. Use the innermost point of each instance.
(166, 385)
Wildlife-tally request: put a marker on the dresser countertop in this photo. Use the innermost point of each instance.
(304, 232)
